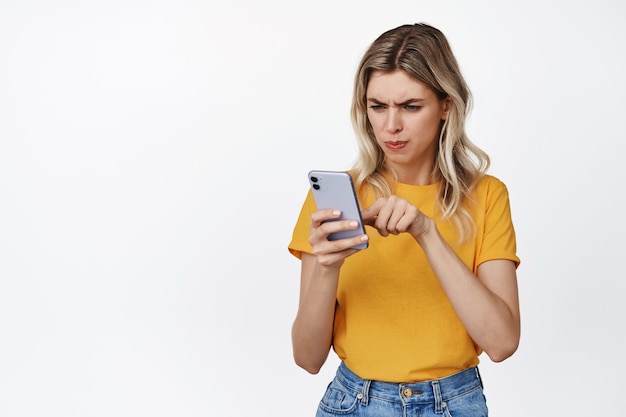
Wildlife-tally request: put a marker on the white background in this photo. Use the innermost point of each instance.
(153, 159)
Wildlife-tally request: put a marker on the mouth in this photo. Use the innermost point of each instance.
(394, 146)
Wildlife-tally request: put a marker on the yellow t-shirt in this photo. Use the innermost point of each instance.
(393, 321)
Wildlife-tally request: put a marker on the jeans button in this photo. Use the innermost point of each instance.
(406, 392)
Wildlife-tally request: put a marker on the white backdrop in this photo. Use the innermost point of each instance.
(153, 159)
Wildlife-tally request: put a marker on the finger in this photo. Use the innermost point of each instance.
(335, 226)
(411, 215)
(398, 218)
(320, 216)
(340, 248)
(370, 213)
(319, 235)
(340, 245)
(383, 218)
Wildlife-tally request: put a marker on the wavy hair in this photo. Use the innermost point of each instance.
(423, 52)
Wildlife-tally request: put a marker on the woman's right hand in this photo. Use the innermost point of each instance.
(332, 253)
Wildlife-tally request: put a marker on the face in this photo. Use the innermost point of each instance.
(405, 116)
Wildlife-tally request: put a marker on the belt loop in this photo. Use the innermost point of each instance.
(365, 392)
(479, 378)
(438, 397)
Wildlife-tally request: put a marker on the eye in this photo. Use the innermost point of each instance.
(377, 107)
(411, 107)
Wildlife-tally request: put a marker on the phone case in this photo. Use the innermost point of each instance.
(335, 190)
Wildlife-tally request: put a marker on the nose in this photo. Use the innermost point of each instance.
(394, 121)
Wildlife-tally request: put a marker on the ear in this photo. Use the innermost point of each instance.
(446, 105)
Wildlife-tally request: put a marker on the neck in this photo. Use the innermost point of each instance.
(412, 176)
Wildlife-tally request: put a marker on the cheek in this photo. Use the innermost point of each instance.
(375, 122)
(429, 123)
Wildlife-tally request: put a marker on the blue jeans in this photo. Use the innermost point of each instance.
(458, 395)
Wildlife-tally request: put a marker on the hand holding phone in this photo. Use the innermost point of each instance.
(335, 190)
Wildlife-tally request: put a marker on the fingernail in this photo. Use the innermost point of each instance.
(353, 224)
(336, 212)
(364, 238)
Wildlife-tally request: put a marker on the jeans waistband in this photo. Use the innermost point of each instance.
(437, 390)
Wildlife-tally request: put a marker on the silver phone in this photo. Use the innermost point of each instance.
(335, 190)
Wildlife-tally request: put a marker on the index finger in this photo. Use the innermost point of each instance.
(370, 213)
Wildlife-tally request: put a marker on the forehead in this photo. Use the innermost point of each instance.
(396, 85)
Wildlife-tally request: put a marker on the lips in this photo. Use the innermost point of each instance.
(394, 146)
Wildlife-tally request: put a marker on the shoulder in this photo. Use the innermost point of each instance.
(489, 190)
(489, 181)
(490, 184)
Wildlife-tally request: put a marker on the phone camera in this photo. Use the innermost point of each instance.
(316, 186)
(314, 179)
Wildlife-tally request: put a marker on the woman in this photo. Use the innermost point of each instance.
(409, 316)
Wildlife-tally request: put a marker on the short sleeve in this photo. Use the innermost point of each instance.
(300, 238)
(498, 241)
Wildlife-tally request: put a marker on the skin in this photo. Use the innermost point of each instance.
(406, 117)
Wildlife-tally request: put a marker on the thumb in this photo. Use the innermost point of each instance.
(370, 213)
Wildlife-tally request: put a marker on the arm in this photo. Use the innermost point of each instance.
(313, 327)
(486, 303)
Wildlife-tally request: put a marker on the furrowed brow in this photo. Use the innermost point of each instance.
(404, 103)
(411, 101)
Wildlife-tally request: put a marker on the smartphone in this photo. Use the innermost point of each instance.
(335, 190)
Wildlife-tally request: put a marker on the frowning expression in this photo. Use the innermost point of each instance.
(406, 118)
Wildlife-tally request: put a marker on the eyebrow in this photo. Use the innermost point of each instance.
(404, 103)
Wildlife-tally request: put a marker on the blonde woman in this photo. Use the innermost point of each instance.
(410, 315)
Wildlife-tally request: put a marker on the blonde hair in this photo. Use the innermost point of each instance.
(422, 52)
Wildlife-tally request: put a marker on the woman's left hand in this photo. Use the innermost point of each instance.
(395, 215)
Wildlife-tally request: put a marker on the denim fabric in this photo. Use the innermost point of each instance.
(458, 395)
